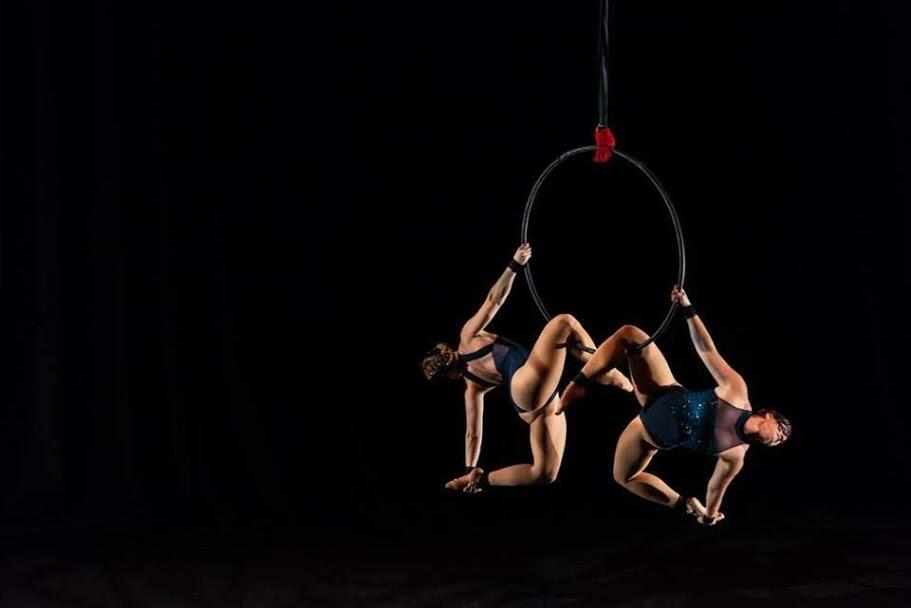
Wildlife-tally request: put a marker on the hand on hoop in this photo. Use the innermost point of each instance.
(523, 254)
(678, 296)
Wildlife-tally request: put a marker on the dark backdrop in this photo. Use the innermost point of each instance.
(228, 233)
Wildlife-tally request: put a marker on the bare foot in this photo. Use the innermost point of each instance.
(616, 378)
(467, 483)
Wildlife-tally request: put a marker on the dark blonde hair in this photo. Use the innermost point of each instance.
(438, 359)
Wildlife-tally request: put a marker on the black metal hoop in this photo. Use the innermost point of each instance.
(678, 231)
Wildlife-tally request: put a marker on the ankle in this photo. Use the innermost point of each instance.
(581, 380)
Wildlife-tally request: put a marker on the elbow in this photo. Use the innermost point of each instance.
(472, 436)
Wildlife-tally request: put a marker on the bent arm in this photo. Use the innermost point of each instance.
(726, 469)
(474, 424)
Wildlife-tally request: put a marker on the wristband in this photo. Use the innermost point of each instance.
(581, 379)
(689, 311)
(680, 505)
(483, 482)
(515, 266)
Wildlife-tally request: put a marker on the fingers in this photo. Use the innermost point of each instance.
(523, 253)
(453, 484)
(710, 520)
(473, 488)
(695, 508)
(705, 519)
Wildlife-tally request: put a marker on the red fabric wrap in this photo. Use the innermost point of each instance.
(606, 143)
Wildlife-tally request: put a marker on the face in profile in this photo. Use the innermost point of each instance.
(773, 430)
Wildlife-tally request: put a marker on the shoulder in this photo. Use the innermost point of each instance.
(735, 455)
(735, 394)
(470, 342)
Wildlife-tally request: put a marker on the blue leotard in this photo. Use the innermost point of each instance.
(696, 420)
(508, 357)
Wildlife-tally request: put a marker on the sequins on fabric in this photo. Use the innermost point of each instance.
(695, 416)
(696, 420)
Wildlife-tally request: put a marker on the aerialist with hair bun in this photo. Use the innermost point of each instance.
(485, 361)
(719, 421)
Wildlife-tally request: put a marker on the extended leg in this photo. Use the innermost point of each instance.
(534, 383)
(648, 367)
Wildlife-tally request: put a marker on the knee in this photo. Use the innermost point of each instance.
(565, 321)
(622, 477)
(548, 476)
(545, 475)
(632, 335)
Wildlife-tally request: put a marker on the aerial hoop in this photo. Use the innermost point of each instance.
(672, 211)
(605, 148)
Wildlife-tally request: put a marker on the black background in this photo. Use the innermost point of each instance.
(228, 233)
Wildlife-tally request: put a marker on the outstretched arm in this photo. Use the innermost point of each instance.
(726, 469)
(496, 296)
(474, 424)
(723, 373)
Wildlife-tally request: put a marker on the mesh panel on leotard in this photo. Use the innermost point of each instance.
(729, 421)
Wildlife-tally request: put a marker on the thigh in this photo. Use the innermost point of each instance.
(649, 371)
(633, 452)
(537, 380)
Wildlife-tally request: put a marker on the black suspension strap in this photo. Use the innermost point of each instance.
(603, 50)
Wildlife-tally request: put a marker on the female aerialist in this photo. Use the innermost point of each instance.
(718, 421)
(485, 361)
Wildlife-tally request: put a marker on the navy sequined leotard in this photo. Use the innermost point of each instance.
(508, 357)
(697, 420)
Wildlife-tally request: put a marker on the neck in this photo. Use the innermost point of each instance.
(751, 426)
